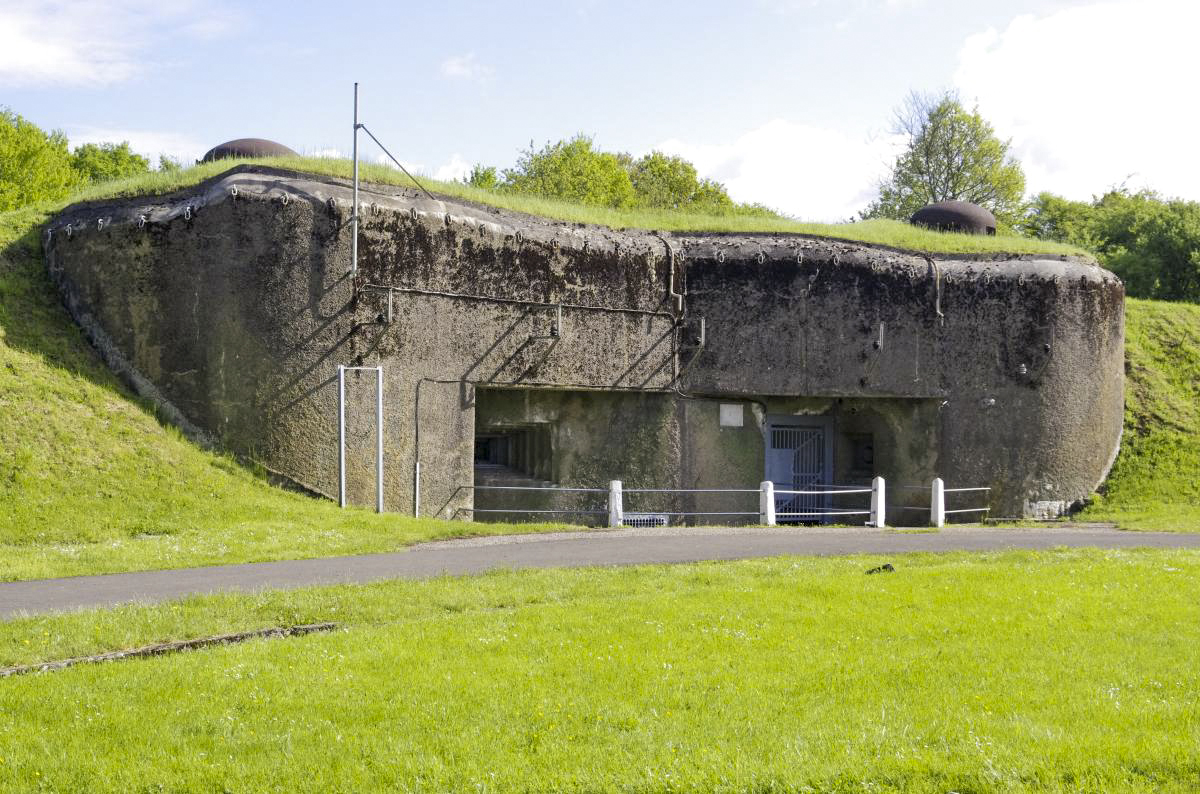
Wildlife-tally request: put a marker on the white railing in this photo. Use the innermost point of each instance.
(937, 501)
(767, 513)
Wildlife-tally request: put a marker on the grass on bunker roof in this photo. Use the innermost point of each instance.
(1069, 670)
(890, 233)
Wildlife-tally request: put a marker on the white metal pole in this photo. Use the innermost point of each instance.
(766, 503)
(354, 213)
(341, 435)
(616, 512)
(937, 503)
(878, 505)
(379, 439)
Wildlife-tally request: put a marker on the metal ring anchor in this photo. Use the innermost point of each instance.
(233, 191)
(284, 198)
(721, 256)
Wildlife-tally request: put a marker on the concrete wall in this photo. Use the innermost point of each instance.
(234, 310)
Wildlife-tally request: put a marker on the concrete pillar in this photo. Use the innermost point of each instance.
(616, 512)
(937, 503)
(766, 503)
(878, 504)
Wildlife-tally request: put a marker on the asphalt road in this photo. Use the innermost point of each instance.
(570, 550)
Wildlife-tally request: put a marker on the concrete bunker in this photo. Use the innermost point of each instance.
(575, 355)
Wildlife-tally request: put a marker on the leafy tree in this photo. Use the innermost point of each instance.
(34, 165)
(574, 171)
(100, 162)
(168, 164)
(668, 182)
(952, 153)
(1151, 243)
(484, 176)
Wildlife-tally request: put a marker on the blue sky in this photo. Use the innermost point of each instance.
(787, 102)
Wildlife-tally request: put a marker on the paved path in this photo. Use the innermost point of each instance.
(575, 549)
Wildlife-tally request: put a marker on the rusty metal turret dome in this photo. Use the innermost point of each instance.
(247, 147)
(955, 216)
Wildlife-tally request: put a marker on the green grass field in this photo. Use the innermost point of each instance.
(1066, 671)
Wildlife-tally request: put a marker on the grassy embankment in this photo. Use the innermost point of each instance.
(91, 482)
(1155, 483)
(1055, 671)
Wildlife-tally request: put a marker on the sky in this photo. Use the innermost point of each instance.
(786, 102)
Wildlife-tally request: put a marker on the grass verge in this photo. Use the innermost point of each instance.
(1072, 670)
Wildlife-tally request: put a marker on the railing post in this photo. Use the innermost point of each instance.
(766, 503)
(937, 503)
(616, 512)
(878, 504)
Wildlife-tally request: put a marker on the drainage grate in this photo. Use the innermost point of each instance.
(645, 520)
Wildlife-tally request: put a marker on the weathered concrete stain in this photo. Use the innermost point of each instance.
(232, 303)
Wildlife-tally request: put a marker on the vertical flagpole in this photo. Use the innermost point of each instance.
(354, 215)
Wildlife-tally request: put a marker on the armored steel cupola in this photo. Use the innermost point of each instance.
(247, 147)
(955, 216)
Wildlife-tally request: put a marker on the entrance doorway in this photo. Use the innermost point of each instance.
(800, 457)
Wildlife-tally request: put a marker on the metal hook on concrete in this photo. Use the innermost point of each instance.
(762, 257)
(99, 224)
(447, 219)
(412, 213)
(233, 191)
(285, 198)
(799, 257)
(721, 256)
(69, 231)
(141, 221)
(187, 212)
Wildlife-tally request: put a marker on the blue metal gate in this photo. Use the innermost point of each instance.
(799, 453)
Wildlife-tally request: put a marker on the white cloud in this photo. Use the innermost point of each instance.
(150, 143)
(813, 173)
(466, 67)
(457, 169)
(94, 42)
(1093, 96)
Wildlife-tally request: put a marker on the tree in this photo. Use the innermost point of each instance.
(572, 170)
(667, 182)
(99, 162)
(1151, 243)
(34, 165)
(168, 164)
(483, 176)
(951, 154)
